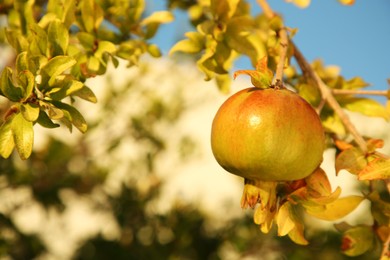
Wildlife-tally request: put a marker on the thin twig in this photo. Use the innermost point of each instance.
(386, 249)
(360, 92)
(266, 8)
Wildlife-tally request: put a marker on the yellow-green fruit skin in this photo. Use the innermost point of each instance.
(268, 135)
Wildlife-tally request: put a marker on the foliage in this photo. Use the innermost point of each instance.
(59, 44)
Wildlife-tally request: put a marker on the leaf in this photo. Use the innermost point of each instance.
(30, 111)
(337, 209)
(378, 169)
(45, 121)
(58, 37)
(27, 82)
(261, 77)
(104, 47)
(73, 115)
(7, 87)
(158, 17)
(91, 15)
(86, 93)
(23, 134)
(355, 83)
(347, 2)
(66, 88)
(297, 235)
(21, 62)
(223, 9)
(37, 40)
(284, 220)
(353, 160)
(357, 240)
(194, 44)
(365, 106)
(55, 67)
(299, 3)
(7, 143)
(318, 183)
(380, 209)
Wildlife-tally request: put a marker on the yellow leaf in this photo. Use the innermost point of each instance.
(336, 209)
(377, 169)
(352, 160)
(284, 220)
(300, 3)
(318, 183)
(347, 2)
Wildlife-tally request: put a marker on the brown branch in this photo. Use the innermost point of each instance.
(266, 8)
(360, 92)
(386, 249)
(330, 99)
(282, 56)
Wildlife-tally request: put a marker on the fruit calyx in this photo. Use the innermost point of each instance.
(262, 76)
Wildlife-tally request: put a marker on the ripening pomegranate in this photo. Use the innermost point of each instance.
(267, 134)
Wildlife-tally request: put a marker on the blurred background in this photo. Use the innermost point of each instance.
(142, 182)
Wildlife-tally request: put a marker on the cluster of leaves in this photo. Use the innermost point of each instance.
(226, 29)
(58, 44)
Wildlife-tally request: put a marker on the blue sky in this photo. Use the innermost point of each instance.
(356, 38)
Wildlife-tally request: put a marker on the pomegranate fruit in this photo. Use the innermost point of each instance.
(267, 134)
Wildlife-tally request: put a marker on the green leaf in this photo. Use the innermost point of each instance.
(336, 209)
(223, 9)
(365, 106)
(7, 143)
(45, 121)
(104, 47)
(376, 170)
(7, 87)
(380, 209)
(241, 36)
(73, 115)
(58, 37)
(30, 111)
(21, 62)
(353, 160)
(55, 67)
(357, 240)
(87, 40)
(27, 81)
(86, 93)
(66, 88)
(194, 44)
(38, 40)
(91, 15)
(355, 83)
(158, 17)
(17, 40)
(261, 77)
(23, 134)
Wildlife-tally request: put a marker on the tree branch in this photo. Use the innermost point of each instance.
(360, 92)
(282, 56)
(330, 99)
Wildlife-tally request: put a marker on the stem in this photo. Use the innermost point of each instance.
(266, 8)
(330, 99)
(360, 92)
(385, 250)
(282, 56)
